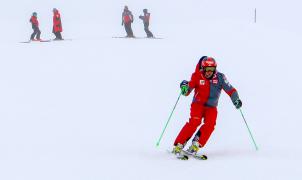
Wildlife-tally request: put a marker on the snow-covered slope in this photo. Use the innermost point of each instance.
(94, 107)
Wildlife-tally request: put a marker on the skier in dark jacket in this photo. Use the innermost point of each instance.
(35, 25)
(207, 84)
(146, 20)
(57, 24)
(127, 20)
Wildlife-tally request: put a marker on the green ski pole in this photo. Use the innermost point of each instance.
(161, 136)
(249, 130)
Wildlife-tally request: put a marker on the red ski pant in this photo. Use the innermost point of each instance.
(198, 111)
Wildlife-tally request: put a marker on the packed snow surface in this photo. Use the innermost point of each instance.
(94, 107)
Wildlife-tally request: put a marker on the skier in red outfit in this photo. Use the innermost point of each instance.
(207, 83)
(57, 24)
(35, 25)
(127, 20)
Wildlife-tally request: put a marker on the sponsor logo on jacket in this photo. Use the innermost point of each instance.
(215, 81)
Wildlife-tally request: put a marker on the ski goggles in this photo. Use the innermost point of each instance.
(210, 69)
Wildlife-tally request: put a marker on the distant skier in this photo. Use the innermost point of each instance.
(57, 24)
(146, 20)
(207, 83)
(35, 25)
(127, 19)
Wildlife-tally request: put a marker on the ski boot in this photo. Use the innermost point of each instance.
(178, 151)
(193, 149)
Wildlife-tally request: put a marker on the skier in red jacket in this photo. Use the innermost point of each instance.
(57, 25)
(35, 25)
(127, 20)
(207, 83)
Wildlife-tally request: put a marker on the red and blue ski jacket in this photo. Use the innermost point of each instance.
(207, 91)
(34, 22)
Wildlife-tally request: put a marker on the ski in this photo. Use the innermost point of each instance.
(61, 40)
(137, 37)
(155, 38)
(36, 41)
(149, 38)
(196, 156)
(125, 37)
(45, 40)
(185, 155)
(181, 156)
(49, 40)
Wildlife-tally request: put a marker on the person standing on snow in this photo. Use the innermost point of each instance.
(207, 83)
(127, 19)
(146, 20)
(35, 25)
(57, 25)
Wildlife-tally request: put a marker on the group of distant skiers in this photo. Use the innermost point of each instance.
(127, 20)
(57, 26)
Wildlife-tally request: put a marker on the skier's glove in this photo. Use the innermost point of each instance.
(184, 87)
(238, 103)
